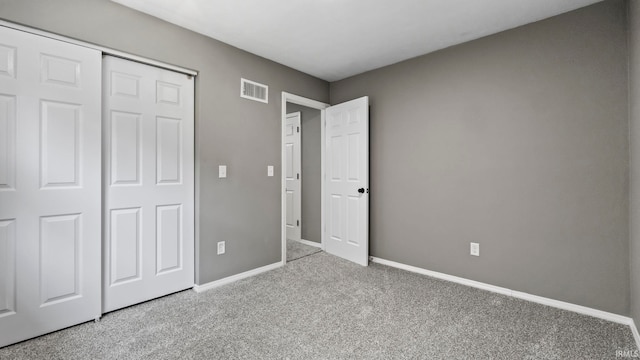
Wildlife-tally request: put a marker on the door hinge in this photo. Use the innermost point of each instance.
(298, 128)
(297, 222)
(298, 176)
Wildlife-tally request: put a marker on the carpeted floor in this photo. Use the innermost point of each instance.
(297, 250)
(322, 307)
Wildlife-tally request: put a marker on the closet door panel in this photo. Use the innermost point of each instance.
(149, 182)
(50, 185)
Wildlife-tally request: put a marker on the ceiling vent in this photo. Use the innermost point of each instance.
(254, 91)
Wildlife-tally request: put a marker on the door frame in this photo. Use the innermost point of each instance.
(314, 104)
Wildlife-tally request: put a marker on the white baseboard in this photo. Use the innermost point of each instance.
(310, 243)
(233, 278)
(518, 294)
(625, 320)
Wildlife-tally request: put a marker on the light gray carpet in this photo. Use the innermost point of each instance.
(322, 307)
(297, 250)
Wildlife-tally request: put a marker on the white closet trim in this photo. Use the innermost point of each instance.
(104, 50)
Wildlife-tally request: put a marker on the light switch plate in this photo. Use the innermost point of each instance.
(270, 170)
(475, 249)
(222, 171)
(221, 247)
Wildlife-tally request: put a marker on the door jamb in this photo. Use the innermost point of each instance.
(295, 99)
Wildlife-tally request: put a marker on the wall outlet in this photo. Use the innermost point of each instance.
(475, 249)
(222, 171)
(221, 247)
(270, 170)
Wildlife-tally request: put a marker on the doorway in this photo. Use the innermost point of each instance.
(303, 147)
(344, 176)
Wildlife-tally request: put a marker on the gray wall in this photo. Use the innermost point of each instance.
(311, 171)
(517, 141)
(634, 136)
(243, 209)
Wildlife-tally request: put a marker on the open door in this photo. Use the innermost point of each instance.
(347, 180)
(292, 170)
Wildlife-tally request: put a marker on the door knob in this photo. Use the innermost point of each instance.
(361, 190)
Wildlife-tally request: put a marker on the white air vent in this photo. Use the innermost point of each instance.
(254, 91)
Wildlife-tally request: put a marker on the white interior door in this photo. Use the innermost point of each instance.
(347, 180)
(149, 182)
(50, 206)
(293, 167)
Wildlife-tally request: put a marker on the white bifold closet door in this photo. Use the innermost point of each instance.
(50, 185)
(148, 154)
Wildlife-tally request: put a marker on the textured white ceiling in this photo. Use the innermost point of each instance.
(335, 39)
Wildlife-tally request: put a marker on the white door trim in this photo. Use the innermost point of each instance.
(295, 99)
(104, 50)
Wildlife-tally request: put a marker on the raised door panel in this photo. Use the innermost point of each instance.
(7, 61)
(353, 158)
(125, 85)
(290, 221)
(169, 150)
(126, 148)
(352, 221)
(167, 93)
(337, 158)
(289, 167)
(353, 165)
(57, 70)
(335, 206)
(336, 168)
(168, 238)
(126, 245)
(7, 142)
(289, 129)
(60, 258)
(354, 116)
(7, 267)
(60, 147)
